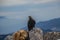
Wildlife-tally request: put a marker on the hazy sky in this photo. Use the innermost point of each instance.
(40, 9)
(23, 2)
(19, 10)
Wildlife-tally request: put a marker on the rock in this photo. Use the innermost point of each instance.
(52, 36)
(20, 35)
(9, 37)
(36, 34)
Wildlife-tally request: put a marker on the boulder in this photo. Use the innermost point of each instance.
(36, 34)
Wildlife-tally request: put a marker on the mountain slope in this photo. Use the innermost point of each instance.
(53, 24)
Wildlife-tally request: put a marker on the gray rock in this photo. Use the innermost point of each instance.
(52, 36)
(36, 34)
(9, 37)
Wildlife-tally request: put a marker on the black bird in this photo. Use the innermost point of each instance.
(31, 23)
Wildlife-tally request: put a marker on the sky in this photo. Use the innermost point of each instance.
(15, 12)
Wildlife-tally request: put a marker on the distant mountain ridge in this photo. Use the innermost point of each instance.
(2, 16)
(52, 25)
(3, 36)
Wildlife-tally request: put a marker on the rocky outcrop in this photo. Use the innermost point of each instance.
(52, 36)
(36, 34)
(20, 35)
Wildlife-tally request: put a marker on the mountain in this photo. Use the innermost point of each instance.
(2, 16)
(3, 36)
(51, 25)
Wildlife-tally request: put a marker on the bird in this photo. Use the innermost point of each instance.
(31, 23)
